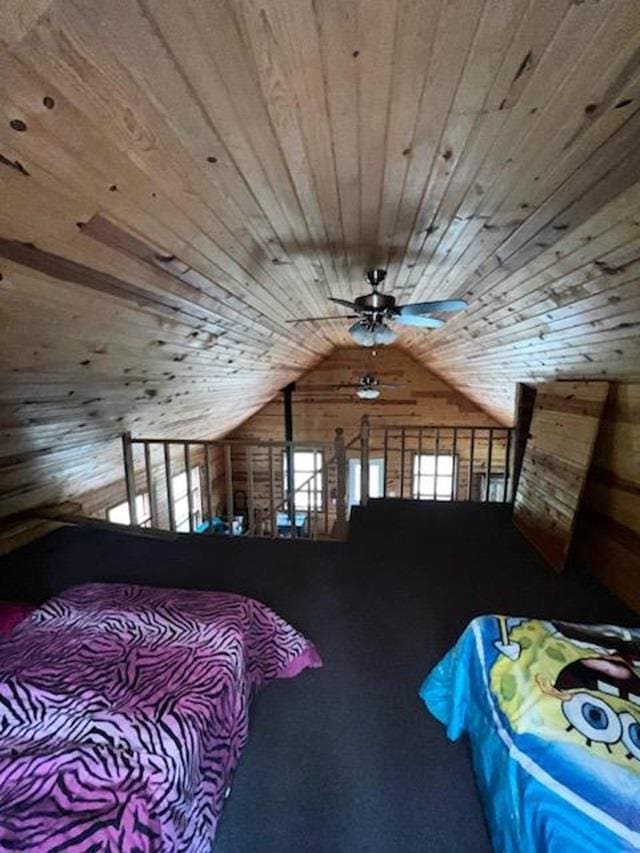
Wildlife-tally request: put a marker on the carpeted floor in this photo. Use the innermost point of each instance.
(346, 759)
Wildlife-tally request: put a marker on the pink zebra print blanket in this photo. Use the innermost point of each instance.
(123, 711)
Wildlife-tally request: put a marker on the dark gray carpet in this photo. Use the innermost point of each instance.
(346, 758)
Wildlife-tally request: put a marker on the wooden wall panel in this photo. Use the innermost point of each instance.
(607, 538)
(562, 435)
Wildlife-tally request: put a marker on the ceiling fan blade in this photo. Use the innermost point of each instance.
(344, 303)
(414, 320)
(314, 319)
(418, 308)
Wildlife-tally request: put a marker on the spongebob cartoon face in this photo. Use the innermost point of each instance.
(576, 684)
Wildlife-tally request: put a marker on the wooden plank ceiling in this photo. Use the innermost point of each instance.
(180, 177)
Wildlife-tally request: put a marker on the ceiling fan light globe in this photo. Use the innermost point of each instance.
(368, 393)
(362, 334)
(384, 335)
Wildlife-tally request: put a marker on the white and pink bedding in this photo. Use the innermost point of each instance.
(123, 711)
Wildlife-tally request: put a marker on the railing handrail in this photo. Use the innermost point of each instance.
(234, 442)
(392, 426)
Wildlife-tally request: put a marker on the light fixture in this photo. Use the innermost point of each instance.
(384, 334)
(367, 334)
(368, 393)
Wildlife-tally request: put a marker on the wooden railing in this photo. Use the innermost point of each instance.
(217, 474)
(464, 463)
(241, 485)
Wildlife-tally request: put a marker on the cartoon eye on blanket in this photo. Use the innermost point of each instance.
(631, 735)
(593, 718)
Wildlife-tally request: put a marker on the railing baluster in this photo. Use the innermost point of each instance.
(129, 477)
(487, 491)
(228, 477)
(309, 512)
(471, 450)
(169, 483)
(187, 468)
(325, 493)
(454, 464)
(291, 489)
(435, 467)
(384, 463)
(402, 450)
(207, 474)
(251, 509)
(273, 515)
(153, 507)
(418, 477)
(507, 463)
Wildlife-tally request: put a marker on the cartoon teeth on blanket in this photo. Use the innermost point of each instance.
(577, 685)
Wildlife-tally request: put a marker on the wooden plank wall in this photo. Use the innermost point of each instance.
(607, 538)
(563, 432)
(318, 408)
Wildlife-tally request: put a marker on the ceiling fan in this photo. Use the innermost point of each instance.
(368, 388)
(375, 310)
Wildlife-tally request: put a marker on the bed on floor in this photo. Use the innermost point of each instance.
(552, 711)
(123, 711)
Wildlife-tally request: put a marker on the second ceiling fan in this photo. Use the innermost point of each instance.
(374, 310)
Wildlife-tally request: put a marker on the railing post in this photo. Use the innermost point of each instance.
(129, 477)
(340, 528)
(365, 432)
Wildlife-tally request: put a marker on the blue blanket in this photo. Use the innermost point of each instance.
(552, 711)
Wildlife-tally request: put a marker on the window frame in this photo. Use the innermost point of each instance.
(418, 477)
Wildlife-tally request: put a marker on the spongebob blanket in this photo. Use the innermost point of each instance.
(552, 710)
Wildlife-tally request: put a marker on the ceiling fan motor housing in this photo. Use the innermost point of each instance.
(379, 303)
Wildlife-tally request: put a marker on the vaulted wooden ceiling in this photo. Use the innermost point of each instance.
(180, 177)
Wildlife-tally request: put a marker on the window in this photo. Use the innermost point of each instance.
(305, 464)
(179, 485)
(376, 479)
(433, 477)
(119, 514)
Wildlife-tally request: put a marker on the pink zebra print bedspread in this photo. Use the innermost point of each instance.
(123, 711)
